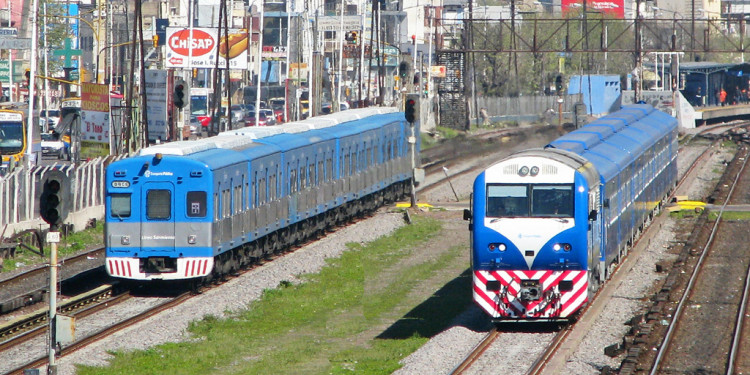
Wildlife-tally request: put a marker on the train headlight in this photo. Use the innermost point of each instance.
(497, 246)
(534, 171)
(523, 171)
(125, 240)
(191, 239)
(562, 246)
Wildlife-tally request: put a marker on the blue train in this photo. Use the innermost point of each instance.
(204, 208)
(548, 225)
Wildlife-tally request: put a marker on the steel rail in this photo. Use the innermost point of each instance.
(680, 306)
(477, 352)
(83, 342)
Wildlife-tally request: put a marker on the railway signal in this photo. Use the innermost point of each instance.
(179, 95)
(403, 69)
(411, 108)
(53, 206)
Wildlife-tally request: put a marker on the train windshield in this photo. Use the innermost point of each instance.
(120, 205)
(11, 138)
(525, 200)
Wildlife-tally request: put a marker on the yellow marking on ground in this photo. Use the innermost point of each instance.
(687, 205)
(407, 204)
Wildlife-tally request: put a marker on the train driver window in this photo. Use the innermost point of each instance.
(120, 205)
(196, 204)
(507, 201)
(158, 204)
(552, 200)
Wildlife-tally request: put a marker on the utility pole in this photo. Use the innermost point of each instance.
(32, 81)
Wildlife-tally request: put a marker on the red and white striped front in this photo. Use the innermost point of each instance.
(187, 268)
(505, 302)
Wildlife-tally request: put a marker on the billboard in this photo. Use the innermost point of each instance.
(94, 120)
(156, 105)
(200, 50)
(611, 8)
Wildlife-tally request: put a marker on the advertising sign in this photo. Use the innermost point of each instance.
(94, 120)
(334, 23)
(156, 105)
(200, 50)
(614, 8)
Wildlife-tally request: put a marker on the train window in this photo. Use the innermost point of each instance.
(293, 181)
(196, 204)
(254, 192)
(262, 193)
(507, 201)
(237, 199)
(272, 186)
(217, 213)
(302, 177)
(120, 205)
(329, 169)
(158, 204)
(552, 200)
(225, 203)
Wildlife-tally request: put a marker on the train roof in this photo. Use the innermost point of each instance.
(626, 142)
(606, 168)
(230, 142)
(576, 147)
(587, 139)
(218, 158)
(288, 142)
(642, 138)
(661, 121)
(603, 130)
(643, 109)
(614, 153)
(177, 148)
(615, 123)
(254, 132)
(356, 127)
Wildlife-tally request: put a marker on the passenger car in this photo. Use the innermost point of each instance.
(52, 145)
(204, 208)
(263, 120)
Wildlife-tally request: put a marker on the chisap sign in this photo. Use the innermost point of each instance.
(200, 49)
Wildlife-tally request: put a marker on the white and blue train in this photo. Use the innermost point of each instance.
(548, 225)
(204, 208)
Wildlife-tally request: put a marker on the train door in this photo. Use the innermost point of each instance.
(157, 216)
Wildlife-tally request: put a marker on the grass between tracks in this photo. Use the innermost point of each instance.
(359, 315)
(68, 245)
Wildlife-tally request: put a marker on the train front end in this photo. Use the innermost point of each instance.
(157, 219)
(531, 238)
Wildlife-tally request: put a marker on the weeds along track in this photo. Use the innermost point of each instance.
(706, 312)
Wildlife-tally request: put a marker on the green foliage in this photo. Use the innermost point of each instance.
(323, 325)
(69, 245)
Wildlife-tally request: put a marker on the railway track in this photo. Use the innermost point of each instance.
(146, 314)
(31, 286)
(551, 360)
(705, 332)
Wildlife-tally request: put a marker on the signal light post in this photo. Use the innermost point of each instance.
(178, 99)
(53, 208)
(411, 113)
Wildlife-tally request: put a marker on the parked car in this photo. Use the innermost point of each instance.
(277, 104)
(263, 120)
(239, 112)
(52, 145)
(270, 115)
